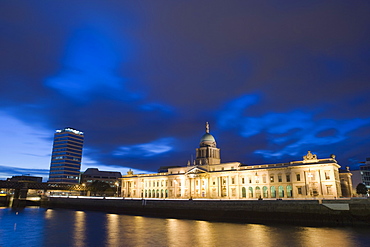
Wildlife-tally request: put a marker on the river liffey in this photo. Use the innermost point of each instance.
(61, 227)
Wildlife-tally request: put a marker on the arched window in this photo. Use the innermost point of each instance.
(258, 192)
(153, 193)
(146, 193)
(281, 191)
(289, 191)
(162, 194)
(265, 192)
(244, 192)
(250, 192)
(166, 193)
(157, 194)
(273, 192)
(150, 194)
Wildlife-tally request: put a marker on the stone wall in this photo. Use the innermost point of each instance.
(301, 212)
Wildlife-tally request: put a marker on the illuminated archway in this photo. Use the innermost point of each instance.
(244, 192)
(273, 192)
(265, 192)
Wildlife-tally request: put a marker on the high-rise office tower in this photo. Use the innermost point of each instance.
(66, 156)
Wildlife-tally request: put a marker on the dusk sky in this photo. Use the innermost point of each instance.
(140, 78)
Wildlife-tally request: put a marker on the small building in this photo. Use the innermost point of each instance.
(209, 178)
(25, 178)
(93, 174)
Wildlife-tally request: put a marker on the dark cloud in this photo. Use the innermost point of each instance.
(141, 78)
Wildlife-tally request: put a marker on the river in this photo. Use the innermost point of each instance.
(34, 226)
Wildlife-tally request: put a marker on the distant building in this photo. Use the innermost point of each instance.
(66, 156)
(93, 174)
(362, 175)
(207, 177)
(25, 178)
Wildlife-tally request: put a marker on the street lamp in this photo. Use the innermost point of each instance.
(117, 185)
(84, 188)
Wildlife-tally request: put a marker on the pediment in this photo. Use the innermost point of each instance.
(196, 170)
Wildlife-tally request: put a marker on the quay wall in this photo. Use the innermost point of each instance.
(299, 212)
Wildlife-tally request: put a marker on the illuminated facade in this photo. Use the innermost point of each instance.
(66, 156)
(208, 178)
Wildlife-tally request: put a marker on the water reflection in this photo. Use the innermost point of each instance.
(336, 237)
(113, 230)
(79, 233)
(40, 227)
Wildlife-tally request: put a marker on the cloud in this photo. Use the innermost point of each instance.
(9, 171)
(288, 133)
(153, 148)
(90, 69)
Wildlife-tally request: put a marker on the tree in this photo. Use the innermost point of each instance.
(99, 187)
(361, 189)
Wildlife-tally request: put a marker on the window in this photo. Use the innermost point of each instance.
(327, 176)
(272, 179)
(273, 191)
(298, 177)
(289, 191)
(265, 192)
(264, 179)
(242, 180)
(281, 191)
(232, 180)
(250, 180)
(328, 190)
(280, 179)
(244, 192)
(299, 190)
(288, 178)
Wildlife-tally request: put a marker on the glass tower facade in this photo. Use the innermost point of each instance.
(66, 156)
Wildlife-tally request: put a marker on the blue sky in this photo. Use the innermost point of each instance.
(141, 78)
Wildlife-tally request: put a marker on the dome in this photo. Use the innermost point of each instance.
(207, 140)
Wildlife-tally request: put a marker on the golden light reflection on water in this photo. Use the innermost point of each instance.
(79, 233)
(259, 235)
(49, 214)
(179, 232)
(204, 233)
(140, 228)
(113, 230)
(311, 236)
